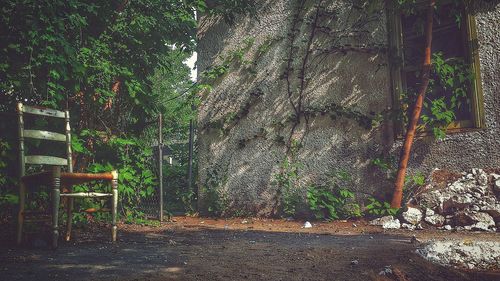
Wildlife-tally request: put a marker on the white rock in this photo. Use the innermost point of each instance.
(496, 186)
(386, 271)
(483, 221)
(307, 225)
(493, 210)
(408, 226)
(412, 215)
(387, 222)
(395, 224)
(435, 220)
(447, 227)
(482, 177)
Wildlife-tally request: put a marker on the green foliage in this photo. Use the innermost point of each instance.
(136, 179)
(114, 65)
(287, 182)
(4, 149)
(334, 200)
(217, 203)
(452, 77)
(8, 197)
(446, 99)
(380, 208)
(132, 159)
(56, 50)
(413, 182)
(178, 197)
(139, 218)
(235, 56)
(382, 164)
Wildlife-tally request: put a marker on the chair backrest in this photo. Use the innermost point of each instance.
(43, 135)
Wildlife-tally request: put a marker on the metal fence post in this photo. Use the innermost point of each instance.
(190, 159)
(160, 164)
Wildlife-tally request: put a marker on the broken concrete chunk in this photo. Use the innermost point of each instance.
(457, 202)
(412, 215)
(483, 221)
(493, 210)
(464, 254)
(435, 219)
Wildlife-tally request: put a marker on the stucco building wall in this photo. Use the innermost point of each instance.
(245, 122)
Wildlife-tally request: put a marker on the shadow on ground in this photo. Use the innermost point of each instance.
(198, 253)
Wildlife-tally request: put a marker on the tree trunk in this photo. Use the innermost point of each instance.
(415, 117)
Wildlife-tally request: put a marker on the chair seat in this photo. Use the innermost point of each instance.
(67, 179)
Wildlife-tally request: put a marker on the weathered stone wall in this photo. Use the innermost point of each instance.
(246, 121)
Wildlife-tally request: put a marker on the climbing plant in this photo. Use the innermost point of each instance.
(307, 44)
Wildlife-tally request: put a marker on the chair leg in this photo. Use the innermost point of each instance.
(56, 192)
(114, 185)
(69, 212)
(20, 216)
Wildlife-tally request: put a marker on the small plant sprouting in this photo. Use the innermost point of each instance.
(380, 208)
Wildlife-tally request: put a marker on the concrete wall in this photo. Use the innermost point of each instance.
(245, 122)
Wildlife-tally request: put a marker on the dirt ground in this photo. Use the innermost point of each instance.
(235, 249)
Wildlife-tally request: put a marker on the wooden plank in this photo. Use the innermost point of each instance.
(45, 160)
(86, 194)
(44, 135)
(42, 111)
(88, 176)
(95, 210)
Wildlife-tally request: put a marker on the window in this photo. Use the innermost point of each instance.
(454, 98)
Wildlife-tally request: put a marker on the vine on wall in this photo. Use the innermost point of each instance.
(323, 40)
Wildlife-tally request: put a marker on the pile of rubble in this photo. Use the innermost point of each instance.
(467, 254)
(469, 203)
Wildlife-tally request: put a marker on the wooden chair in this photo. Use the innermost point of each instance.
(55, 178)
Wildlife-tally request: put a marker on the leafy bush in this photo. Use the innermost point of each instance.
(136, 179)
(8, 193)
(333, 201)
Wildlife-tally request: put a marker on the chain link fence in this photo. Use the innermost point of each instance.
(172, 192)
